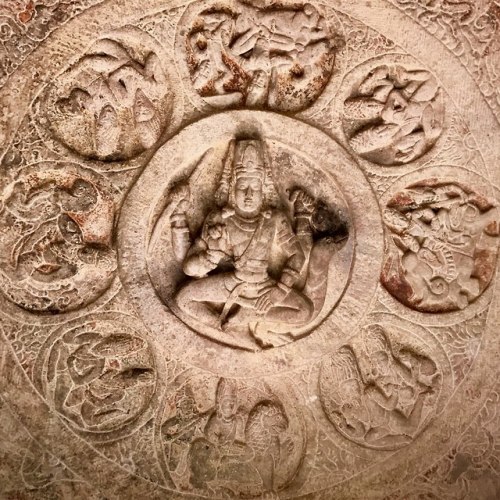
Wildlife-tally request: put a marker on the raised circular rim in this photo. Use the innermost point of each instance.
(206, 354)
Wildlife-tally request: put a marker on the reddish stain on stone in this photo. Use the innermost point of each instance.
(401, 200)
(396, 284)
(240, 78)
(492, 229)
(27, 14)
(484, 266)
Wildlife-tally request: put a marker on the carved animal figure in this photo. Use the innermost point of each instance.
(445, 246)
(396, 116)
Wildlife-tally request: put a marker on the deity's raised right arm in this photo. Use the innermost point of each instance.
(181, 236)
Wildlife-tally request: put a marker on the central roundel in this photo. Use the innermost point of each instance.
(246, 238)
(246, 243)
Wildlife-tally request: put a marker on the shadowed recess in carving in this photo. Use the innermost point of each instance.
(55, 239)
(395, 115)
(443, 246)
(275, 55)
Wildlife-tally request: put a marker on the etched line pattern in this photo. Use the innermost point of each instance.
(395, 115)
(377, 392)
(246, 444)
(100, 375)
(115, 102)
(469, 29)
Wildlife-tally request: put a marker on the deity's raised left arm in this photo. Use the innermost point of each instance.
(208, 250)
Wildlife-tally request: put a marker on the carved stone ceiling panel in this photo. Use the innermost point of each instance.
(249, 249)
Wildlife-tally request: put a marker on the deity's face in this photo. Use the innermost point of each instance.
(248, 196)
(381, 363)
(143, 108)
(227, 407)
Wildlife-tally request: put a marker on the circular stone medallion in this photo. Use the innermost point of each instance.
(250, 240)
(249, 249)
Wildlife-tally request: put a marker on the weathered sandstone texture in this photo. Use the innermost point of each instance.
(249, 249)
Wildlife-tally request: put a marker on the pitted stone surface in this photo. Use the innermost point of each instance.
(249, 249)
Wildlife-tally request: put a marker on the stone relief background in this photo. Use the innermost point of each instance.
(394, 394)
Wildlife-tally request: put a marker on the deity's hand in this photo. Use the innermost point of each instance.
(270, 298)
(303, 203)
(179, 199)
(217, 240)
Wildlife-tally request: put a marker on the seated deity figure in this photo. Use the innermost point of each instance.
(246, 268)
(242, 449)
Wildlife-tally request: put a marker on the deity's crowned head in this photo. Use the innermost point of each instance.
(246, 182)
(226, 398)
(249, 177)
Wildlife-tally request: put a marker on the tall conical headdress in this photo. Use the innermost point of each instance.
(246, 157)
(249, 159)
(226, 389)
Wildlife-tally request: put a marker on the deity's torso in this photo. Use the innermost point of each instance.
(252, 242)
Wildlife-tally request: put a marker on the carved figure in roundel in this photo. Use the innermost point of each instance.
(257, 269)
(56, 228)
(443, 246)
(99, 375)
(40, 469)
(115, 102)
(378, 393)
(245, 445)
(260, 54)
(395, 115)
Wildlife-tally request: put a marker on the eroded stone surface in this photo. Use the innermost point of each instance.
(114, 103)
(57, 231)
(248, 249)
(99, 374)
(395, 115)
(277, 55)
(447, 240)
